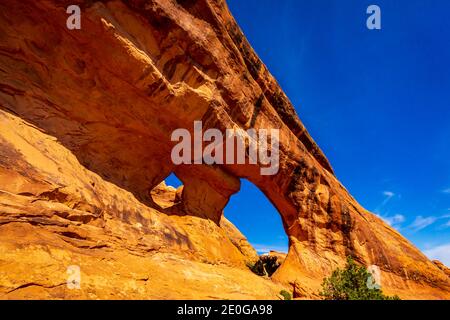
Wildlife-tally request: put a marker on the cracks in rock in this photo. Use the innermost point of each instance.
(31, 284)
(73, 235)
(33, 220)
(53, 195)
(7, 89)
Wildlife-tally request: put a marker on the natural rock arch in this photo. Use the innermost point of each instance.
(113, 92)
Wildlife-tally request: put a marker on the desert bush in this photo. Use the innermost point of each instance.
(286, 295)
(351, 284)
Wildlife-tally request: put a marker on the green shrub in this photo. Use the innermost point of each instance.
(286, 295)
(351, 284)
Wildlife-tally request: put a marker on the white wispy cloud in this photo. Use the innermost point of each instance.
(446, 216)
(388, 194)
(265, 248)
(441, 253)
(422, 222)
(394, 221)
(446, 191)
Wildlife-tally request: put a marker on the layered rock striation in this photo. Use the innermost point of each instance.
(86, 118)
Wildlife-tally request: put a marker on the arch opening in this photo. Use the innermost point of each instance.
(173, 181)
(167, 193)
(257, 219)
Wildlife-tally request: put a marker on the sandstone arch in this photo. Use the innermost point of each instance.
(113, 92)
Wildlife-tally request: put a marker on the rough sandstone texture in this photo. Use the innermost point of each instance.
(442, 267)
(85, 123)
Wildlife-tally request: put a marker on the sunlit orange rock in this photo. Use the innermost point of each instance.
(86, 118)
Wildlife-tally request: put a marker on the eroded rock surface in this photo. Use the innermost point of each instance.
(86, 118)
(54, 213)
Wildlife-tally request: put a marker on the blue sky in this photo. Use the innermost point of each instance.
(376, 101)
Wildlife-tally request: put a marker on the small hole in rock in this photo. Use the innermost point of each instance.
(173, 181)
(166, 194)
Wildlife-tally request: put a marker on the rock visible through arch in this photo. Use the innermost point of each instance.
(104, 100)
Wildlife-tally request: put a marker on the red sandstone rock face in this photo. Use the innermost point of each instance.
(441, 266)
(86, 118)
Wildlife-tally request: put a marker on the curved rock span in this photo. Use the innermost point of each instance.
(85, 123)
